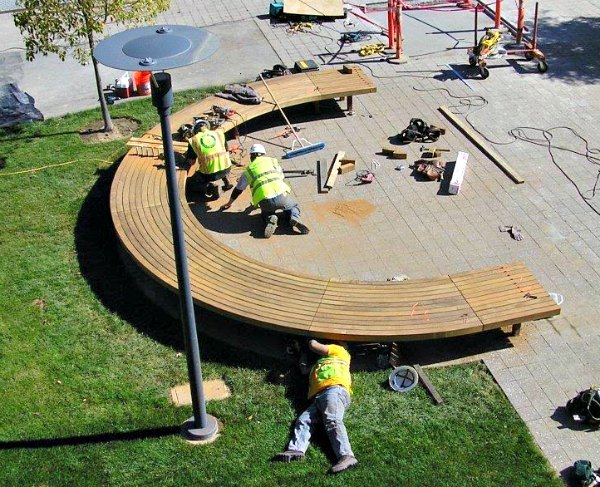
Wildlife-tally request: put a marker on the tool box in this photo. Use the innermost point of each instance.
(276, 10)
(305, 65)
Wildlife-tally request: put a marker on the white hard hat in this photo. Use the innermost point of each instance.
(257, 149)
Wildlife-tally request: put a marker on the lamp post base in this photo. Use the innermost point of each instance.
(201, 435)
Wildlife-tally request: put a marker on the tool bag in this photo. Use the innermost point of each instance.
(582, 473)
(432, 168)
(243, 94)
(586, 405)
(419, 131)
(277, 70)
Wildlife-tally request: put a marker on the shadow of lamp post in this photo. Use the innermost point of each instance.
(155, 48)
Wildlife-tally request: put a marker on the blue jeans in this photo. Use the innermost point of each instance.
(199, 181)
(284, 202)
(328, 406)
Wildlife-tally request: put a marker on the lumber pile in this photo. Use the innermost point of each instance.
(153, 147)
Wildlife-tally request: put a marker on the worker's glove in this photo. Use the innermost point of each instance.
(513, 230)
(516, 233)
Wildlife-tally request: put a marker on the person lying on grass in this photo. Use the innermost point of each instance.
(329, 389)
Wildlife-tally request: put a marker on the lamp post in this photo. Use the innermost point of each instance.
(155, 48)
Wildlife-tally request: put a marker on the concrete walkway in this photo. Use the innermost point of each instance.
(399, 225)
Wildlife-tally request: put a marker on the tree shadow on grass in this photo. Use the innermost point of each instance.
(16, 133)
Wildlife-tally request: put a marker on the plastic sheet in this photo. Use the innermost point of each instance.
(16, 106)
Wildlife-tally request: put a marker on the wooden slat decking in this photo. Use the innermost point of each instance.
(230, 283)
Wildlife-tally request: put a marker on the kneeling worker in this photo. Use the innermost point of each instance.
(269, 191)
(208, 146)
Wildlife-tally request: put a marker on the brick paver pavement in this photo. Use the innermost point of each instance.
(400, 225)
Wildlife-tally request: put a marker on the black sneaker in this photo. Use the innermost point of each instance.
(271, 226)
(212, 192)
(227, 187)
(344, 463)
(298, 225)
(289, 456)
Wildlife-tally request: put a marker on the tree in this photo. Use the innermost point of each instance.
(73, 26)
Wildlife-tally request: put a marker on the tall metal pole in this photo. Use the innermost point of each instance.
(520, 21)
(498, 14)
(201, 426)
(399, 48)
(535, 28)
(390, 22)
(475, 40)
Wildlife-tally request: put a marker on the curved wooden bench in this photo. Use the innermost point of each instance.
(232, 284)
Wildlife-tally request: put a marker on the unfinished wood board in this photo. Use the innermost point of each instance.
(213, 390)
(478, 141)
(346, 166)
(333, 170)
(426, 383)
(156, 144)
(315, 8)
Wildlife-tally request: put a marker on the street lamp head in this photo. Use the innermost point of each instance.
(156, 48)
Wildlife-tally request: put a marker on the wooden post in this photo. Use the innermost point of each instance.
(349, 105)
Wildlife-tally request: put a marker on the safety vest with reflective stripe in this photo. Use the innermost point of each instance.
(209, 146)
(265, 179)
(332, 370)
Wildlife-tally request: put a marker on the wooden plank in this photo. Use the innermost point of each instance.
(426, 383)
(178, 146)
(347, 165)
(333, 170)
(478, 141)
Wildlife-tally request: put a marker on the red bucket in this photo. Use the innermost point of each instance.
(141, 80)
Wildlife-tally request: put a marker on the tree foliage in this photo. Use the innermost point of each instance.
(68, 26)
(72, 27)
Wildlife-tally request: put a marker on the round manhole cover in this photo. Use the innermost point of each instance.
(403, 378)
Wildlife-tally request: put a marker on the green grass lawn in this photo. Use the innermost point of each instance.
(86, 363)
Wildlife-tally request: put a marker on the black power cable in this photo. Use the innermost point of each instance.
(469, 104)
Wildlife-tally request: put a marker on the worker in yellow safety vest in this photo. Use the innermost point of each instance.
(269, 191)
(329, 389)
(208, 147)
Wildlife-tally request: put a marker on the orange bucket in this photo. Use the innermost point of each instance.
(141, 79)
